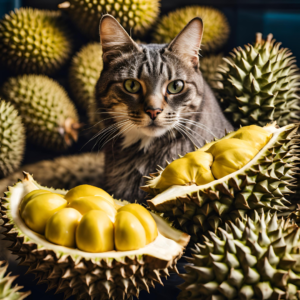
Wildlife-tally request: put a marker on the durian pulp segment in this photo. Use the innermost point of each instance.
(166, 244)
(180, 191)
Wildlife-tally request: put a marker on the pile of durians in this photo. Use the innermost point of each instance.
(236, 211)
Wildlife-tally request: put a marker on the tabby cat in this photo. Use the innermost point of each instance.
(155, 105)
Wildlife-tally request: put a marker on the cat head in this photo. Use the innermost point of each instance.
(144, 89)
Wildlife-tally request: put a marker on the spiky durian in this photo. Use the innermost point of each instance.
(134, 15)
(252, 259)
(48, 114)
(7, 291)
(208, 66)
(84, 73)
(106, 275)
(12, 139)
(261, 184)
(34, 41)
(216, 28)
(259, 84)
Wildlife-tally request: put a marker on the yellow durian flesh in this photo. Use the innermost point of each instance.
(38, 210)
(85, 204)
(129, 233)
(95, 232)
(255, 134)
(30, 196)
(193, 168)
(61, 227)
(231, 155)
(85, 190)
(145, 218)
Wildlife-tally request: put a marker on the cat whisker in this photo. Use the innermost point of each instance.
(198, 124)
(103, 121)
(183, 131)
(192, 131)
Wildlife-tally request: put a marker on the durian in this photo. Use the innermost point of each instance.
(84, 73)
(135, 16)
(34, 41)
(251, 259)
(7, 291)
(259, 84)
(216, 27)
(12, 139)
(209, 66)
(106, 275)
(261, 184)
(48, 114)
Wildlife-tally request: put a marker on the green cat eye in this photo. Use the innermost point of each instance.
(132, 86)
(175, 87)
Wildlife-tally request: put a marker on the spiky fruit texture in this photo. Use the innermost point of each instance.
(251, 259)
(84, 73)
(7, 291)
(216, 28)
(34, 41)
(111, 275)
(12, 139)
(259, 84)
(262, 184)
(134, 15)
(209, 66)
(48, 114)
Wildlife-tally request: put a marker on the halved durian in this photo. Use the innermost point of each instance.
(106, 275)
(261, 184)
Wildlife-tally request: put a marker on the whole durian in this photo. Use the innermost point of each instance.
(48, 114)
(7, 291)
(251, 169)
(12, 139)
(34, 41)
(259, 84)
(135, 16)
(216, 28)
(252, 259)
(84, 73)
(209, 66)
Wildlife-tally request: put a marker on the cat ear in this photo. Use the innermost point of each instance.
(187, 43)
(114, 39)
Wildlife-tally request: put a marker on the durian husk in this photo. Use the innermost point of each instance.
(259, 84)
(135, 16)
(216, 27)
(12, 139)
(7, 290)
(108, 275)
(251, 259)
(34, 41)
(84, 73)
(49, 116)
(261, 185)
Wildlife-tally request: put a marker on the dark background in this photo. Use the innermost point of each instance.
(246, 17)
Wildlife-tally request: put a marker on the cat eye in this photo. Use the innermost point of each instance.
(132, 86)
(175, 87)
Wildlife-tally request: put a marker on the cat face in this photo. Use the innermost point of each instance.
(145, 88)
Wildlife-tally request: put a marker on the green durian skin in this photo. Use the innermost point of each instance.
(12, 139)
(259, 83)
(216, 27)
(135, 16)
(84, 73)
(252, 259)
(45, 108)
(34, 41)
(7, 290)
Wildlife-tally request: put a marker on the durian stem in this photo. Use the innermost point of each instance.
(258, 38)
(71, 129)
(64, 5)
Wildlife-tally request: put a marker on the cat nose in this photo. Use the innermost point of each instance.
(153, 112)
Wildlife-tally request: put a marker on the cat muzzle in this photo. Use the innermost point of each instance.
(153, 112)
